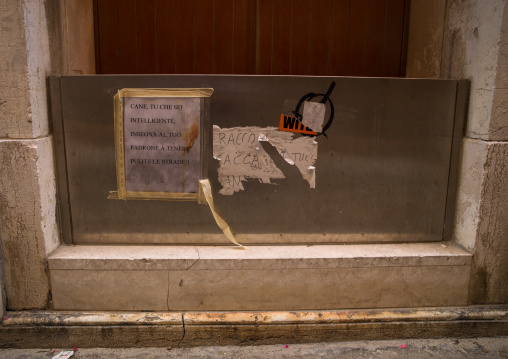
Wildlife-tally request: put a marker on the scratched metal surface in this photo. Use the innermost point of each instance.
(381, 176)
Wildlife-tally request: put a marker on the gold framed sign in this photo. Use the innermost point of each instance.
(159, 143)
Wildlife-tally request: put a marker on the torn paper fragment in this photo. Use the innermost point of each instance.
(311, 174)
(64, 354)
(314, 115)
(242, 157)
(301, 152)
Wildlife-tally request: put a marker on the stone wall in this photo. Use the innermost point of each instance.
(448, 39)
(425, 45)
(38, 38)
(28, 228)
(474, 45)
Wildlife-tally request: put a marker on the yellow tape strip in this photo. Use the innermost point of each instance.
(168, 196)
(119, 148)
(190, 92)
(207, 191)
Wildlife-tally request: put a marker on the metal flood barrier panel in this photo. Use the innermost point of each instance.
(385, 172)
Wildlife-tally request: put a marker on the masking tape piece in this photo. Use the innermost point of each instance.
(201, 196)
(119, 148)
(314, 115)
(207, 191)
(164, 196)
(167, 92)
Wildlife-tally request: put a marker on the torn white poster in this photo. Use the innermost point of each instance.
(242, 156)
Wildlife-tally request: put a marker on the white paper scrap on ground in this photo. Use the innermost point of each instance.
(66, 354)
(242, 157)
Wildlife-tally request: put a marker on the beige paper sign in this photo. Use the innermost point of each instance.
(158, 143)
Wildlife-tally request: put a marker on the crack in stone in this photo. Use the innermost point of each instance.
(499, 129)
(489, 133)
(197, 260)
(167, 297)
(183, 325)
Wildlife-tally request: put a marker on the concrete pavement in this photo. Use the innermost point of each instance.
(448, 348)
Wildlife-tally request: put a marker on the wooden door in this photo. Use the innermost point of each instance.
(265, 37)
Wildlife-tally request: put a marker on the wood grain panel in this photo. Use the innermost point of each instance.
(165, 36)
(145, 28)
(244, 36)
(339, 38)
(108, 35)
(280, 37)
(300, 44)
(376, 20)
(204, 36)
(357, 37)
(127, 38)
(320, 37)
(393, 39)
(96, 37)
(223, 36)
(281, 57)
(405, 36)
(184, 44)
(264, 32)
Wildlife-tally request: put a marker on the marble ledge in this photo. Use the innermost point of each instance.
(166, 257)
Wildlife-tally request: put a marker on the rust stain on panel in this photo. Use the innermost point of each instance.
(189, 135)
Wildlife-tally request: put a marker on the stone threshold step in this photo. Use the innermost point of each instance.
(318, 277)
(46, 329)
(163, 257)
